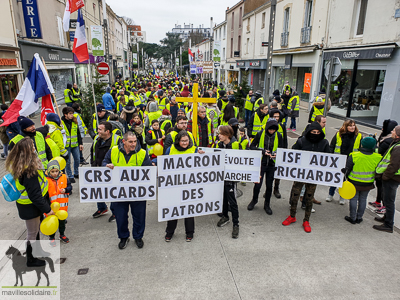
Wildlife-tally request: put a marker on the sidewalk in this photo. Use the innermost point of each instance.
(337, 260)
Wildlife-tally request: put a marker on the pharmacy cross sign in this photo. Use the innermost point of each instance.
(195, 100)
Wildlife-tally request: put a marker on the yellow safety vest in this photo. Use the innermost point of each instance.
(174, 134)
(338, 145)
(248, 105)
(317, 112)
(72, 137)
(76, 95)
(174, 151)
(24, 199)
(40, 146)
(257, 124)
(297, 106)
(384, 163)
(118, 159)
(66, 96)
(94, 122)
(153, 137)
(210, 136)
(364, 166)
(262, 138)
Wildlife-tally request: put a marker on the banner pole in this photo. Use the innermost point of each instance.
(54, 97)
(94, 99)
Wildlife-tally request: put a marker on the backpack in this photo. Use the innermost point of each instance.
(9, 188)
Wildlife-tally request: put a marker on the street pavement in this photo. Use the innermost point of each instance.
(337, 260)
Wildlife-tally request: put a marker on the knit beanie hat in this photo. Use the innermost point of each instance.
(397, 130)
(368, 143)
(53, 164)
(52, 117)
(25, 122)
(166, 112)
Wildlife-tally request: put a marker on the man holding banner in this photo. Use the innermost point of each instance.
(313, 140)
(128, 153)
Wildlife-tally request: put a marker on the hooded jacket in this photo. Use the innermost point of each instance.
(269, 140)
(152, 108)
(284, 135)
(108, 100)
(68, 124)
(100, 151)
(251, 121)
(127, 112)
(185, 92)
(320, 144)
(385, 139)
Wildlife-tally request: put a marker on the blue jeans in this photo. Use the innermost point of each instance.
(75, 154)
(81, 158)
(332, 190)
(138, 211)
(361, 199)
(247, 116)
(5, 150)
(101, 206)
(389, 189)
(69, 104)
(293, 123)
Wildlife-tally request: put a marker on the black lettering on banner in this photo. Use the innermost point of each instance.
(192, 178)
(310, 175)
(107, 175)
(122, 193)
(216, 160)
(83, 192)
(205, 160)
(175, 212)
(132, 192)
(220, 176)
(161, 179)
(233, 176)
(180, 163)
(188, 165)
(169, 164)
(182, 209)
(87, 176)
(284, 157)
(300, 173)
(209, 206)
(191, 209)
(97, 176)
(314, 160)
(169, 181)
(197, 161)
(164, 212)
(112, 193)
(248, 177)
(106, 193)
(298, 157)
(328, 176)
(95, 193)
(201, 194)
(185, 194)
(287, 172)
(193, 193)
(124, 176)
(199, 176)
(337, 177)
(152, 191)
(251, 161)
(280, 169)
(212, 176)
(145, 174)
(291, 172)
(199, 208)
(323, 160)
(318, 176)
(142, 191)
(135, 177)
(216, 205)
(205, 176)
(334, 161)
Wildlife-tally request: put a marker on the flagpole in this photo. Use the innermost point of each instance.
(94, 99)
(54, 97)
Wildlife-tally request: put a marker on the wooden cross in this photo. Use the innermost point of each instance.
(195, 100)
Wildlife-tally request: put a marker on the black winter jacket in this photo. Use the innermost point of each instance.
(348, 140)
(100, 151)
(304, 142)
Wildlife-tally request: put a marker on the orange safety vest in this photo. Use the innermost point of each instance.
(54, 191)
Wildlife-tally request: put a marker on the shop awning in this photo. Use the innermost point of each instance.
(364, 52)
(299, 50)
(11, 71)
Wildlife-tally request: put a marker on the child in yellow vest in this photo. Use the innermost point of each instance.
(59, 189)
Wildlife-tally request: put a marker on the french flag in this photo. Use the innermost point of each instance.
(37, 85)
(191, 55)
(80, 43)
(70, 7)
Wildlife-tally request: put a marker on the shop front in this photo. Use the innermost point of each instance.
(254, 70)
(82, 69)
(10, 74)
(59, 63)
(367, 85)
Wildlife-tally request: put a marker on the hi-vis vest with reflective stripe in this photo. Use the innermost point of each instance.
(297, 106)
(317, 112)
(76, 115)
(235, 145)
(118, 159)
(262, 139)
(165, 124)
(121, 105)
(174, 151)
(257, 124)
(153, 137)
(95, 122)
(76, 95)
(24, 199)
(364, 166)
(116, 137)
(338, 145)
(174, 134)
(243, 141)
(215, 119)
(72, 137)
(384, 163)
(162, 103)
(66, 96)
(136, 100)
(54, 191)
(210, 137)
(40, 146)
(258, 102)
(55, 151)
(154, 116)
(248, 105)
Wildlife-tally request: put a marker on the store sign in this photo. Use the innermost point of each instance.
(207, 67)
(72, 23)
(240, 64)
(254, 63)
(192, 69)
(378, 53)
(8, 61)
(71, 36)
(217, 64)
(97, 40)
(307, 83)
(31, 18)
(288, 61)
(49, 54)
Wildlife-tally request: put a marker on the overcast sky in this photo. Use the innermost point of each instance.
(159, 16)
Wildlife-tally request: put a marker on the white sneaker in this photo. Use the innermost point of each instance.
(341, 201)
(329, 198)
(312, 210)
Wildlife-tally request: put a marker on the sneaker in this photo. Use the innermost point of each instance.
(251, 205)
(375, 204)
(289, 129)
(341, 201)
(111, 219)
(64, 239)
(100, 213)
(76, 176)
(350, 220)
(3, 156)
(383, 227)
(312, 209)
(381, 210)
(72, 179)
(235, 231)
(294, 129)
(223, 221)
(307, 227)
(84, 162)
(139, 243)
(289, 220)
(358, 221)
(189, 238)
(168, 237)
(53, 242)
(123, 243)
(329, 198)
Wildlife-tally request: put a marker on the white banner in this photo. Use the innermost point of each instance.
(134, 58)
(97, 40)
(101, 184)
(217, 51)
(310, 167)
(190, 185)
(240, 165)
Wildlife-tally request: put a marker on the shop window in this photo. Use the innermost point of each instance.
(8, 88)
(295, 77)
(59, 79)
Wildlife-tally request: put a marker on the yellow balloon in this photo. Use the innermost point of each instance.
(347, 191)
(61, 162)
(62, 214)
(49, 225)
(55, 206)
(158, 149)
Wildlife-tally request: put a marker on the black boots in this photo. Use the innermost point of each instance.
(276, 193)
(267, 208)
(30, 260)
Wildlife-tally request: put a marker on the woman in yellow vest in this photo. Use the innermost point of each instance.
(25, 167)
(59, 189)
(183, 145)
(345, 141)
(227, 114)
(360, 171)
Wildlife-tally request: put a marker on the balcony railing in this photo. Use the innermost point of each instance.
(306, 35)
(284, 39)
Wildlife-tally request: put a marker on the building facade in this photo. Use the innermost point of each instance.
(219, 67)
(185, 31)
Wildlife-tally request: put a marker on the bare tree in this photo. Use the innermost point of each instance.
(128, 20)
